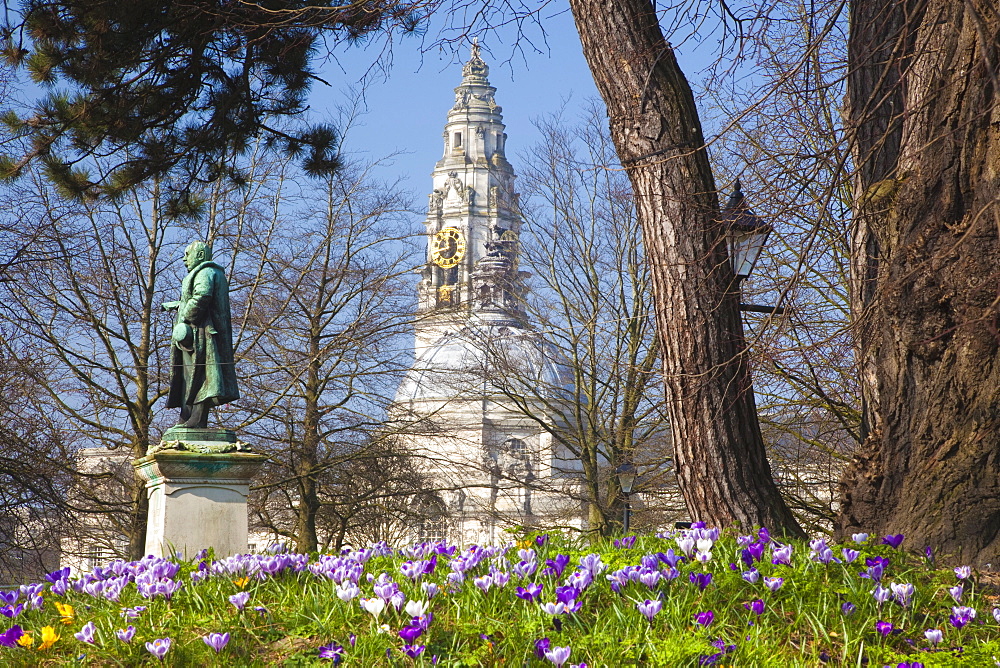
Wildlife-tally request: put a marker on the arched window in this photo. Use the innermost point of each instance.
(516, 447)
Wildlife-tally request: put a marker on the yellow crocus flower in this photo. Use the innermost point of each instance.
(49, 637)
(241, 582)
(26, 640)
(66, 612)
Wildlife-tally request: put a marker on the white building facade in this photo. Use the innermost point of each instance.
(483, 382)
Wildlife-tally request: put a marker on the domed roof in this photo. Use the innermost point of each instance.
(487, 358)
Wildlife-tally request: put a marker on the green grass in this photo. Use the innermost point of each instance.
(293, 612)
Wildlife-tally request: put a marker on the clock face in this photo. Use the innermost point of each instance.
(448, 247)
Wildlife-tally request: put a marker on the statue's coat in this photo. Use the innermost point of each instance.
(211, 372)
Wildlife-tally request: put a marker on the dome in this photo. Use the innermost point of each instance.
(487, 359)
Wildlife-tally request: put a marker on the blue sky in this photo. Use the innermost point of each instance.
(406, 110)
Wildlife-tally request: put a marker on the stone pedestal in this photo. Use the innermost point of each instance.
(197, 482)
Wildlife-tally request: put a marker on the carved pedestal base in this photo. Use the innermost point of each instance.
(197, 494)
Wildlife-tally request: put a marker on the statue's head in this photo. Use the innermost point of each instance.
(196, 253)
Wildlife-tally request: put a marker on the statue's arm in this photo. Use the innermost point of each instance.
(195, 309)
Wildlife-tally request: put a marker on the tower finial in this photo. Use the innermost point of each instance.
(475, 70)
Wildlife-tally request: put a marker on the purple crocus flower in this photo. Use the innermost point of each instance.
(782, 556)
(216, 641)
(755, 606)
(650, 578)
(956, 592)
(649, 608)
(10, 597)
(686, 543)
(849, 554)
(903, 593)
(934, 636)
(876, 568)
(239, 600)
(133, 613)
(557, 566)
(413, 651)
(963, 572)
(484, 582)
(430, 589)
(961, 615)
(721, 645)
(751, 576)
(430, 564)
(848, 608)
(700, 579)
(412, 570)
(348, 591)
(881, 594)
(774, 584)
(410, 633)
(524, 568)
(10, 637)
(86, 634)
(126, 635)
(529, 593)
(12, 611)
(885, 628)
(567, 594)
(159, 647)
(541, 646)
(626, 543)
(554, 608)
(558, 655)
(996, 614)
(55, 576)
(704, 618)
(859, 537)
(541, 540)
(422, 621)
(332, 651)
(893, 540)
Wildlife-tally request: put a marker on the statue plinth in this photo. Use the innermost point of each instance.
(197, 483)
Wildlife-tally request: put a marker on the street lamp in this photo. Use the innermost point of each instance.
(626, 478)
(745, 237)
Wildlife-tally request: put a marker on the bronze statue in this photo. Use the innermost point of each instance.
(203, 374)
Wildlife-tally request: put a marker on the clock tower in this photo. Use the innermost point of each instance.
(472, 211)
(475, 348)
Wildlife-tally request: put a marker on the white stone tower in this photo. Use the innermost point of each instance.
(472, 204)
(483, 382)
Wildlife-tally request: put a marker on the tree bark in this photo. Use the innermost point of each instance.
(722, 468)
(925, 126)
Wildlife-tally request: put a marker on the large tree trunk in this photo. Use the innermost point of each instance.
(722, 469)
(926, 136)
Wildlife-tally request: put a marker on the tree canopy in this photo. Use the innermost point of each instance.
(175, 88)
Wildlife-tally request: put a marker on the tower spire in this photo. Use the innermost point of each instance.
(472, 211)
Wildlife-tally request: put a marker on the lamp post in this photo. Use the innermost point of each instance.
(626, 478)
(747, 233)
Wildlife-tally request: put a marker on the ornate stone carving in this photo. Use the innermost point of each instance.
(475, 67)
(434, 202)
(199, 446)
(462, 96)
